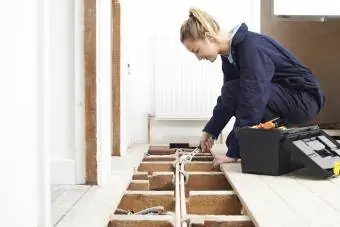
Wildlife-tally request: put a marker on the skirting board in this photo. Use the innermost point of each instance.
(63, 171)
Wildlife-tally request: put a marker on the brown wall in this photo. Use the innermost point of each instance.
(317, 45)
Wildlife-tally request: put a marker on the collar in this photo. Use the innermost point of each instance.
(237, 36)
(234, 30)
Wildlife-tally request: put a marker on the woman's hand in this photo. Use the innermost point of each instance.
(206, 142)
(221, 159)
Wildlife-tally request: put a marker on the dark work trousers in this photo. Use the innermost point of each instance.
(293, 107)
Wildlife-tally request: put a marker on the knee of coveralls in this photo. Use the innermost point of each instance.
(306, 109)
(293, 107)
(268, 115)
(232, 94)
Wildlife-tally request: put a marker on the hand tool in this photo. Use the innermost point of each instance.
(268, 124)
(188, 157)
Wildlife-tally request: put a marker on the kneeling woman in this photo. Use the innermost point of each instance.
(262, 80)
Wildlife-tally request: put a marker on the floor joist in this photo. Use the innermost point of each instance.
(192, 194)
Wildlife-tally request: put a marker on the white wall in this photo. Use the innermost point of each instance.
(79, 92)
(66, 93)
(182, 131)
(62, 80)
(135, 85)
(141, 20)
(24, 194)
(104, 89)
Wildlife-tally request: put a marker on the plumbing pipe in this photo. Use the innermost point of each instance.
(183, 199)
(177, 194)
(151, 210)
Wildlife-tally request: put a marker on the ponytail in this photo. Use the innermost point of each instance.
(197, 25)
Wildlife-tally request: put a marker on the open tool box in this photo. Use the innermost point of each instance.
(279, 151)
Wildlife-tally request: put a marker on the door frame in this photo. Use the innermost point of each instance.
(116, 62)
(90, 91)
(95, 21)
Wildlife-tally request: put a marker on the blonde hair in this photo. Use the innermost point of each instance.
(198, 24)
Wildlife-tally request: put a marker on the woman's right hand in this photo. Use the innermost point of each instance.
(206, 142)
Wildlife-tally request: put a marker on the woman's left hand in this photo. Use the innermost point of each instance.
(221, 159)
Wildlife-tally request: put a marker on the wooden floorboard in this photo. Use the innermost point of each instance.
(336, 181)
(307, 205)
(326, 190)
(64, 198)
(260, 200)
(295, 199)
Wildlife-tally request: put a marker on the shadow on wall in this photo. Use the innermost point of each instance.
(317, 45)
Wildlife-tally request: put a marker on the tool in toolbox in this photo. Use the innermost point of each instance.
(268, 124)
(277, 151)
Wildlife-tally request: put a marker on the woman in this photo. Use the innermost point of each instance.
(262, 80)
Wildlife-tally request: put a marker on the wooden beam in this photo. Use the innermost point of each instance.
(150, 167)
(138, 185)
(116, 78)
(201, 166)
(90, 91)
(207, 181)
(141, 220)
(213, 203)
(139, 200)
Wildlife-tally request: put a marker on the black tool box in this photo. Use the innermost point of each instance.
(276, 151)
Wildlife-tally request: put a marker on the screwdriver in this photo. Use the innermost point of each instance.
(268, 124)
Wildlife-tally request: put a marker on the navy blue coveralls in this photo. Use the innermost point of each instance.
(263, 81)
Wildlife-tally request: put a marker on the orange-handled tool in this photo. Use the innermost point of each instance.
(267, 125)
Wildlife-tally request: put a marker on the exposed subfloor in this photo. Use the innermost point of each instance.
(94, 207)
(163, 192)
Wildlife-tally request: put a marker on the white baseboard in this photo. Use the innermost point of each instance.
(63, 171)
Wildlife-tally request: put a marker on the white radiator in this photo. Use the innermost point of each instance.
(183, 87)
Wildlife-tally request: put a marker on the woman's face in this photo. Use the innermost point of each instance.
(203, 49)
